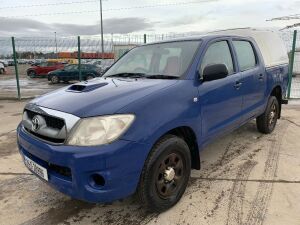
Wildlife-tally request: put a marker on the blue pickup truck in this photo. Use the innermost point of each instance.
(140, 127)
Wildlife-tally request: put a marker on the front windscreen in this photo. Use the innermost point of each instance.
(164, 59)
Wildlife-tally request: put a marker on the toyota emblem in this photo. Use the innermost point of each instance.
(35, 123)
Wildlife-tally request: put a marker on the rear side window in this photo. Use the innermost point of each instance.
(218, 53)
(245, 54)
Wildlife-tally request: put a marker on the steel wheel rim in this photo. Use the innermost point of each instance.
(54, 79)
(273, 114)
(169, 175)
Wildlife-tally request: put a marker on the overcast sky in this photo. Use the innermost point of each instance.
(81, 17)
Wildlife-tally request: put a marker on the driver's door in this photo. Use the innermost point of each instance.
(220, 100)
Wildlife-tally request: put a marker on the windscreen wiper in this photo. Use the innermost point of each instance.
(131, 75)
(161, 76)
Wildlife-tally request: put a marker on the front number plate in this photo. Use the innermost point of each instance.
(36, 168)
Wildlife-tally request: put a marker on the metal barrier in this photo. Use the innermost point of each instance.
(291, 39)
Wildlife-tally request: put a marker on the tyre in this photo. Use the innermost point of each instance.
(165, 174)
(54, 79)
(267, 121)
(1, 71)
(89, 77)
(32, 73)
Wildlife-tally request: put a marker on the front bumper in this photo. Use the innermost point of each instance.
(119, 163)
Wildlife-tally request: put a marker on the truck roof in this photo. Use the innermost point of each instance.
(270, 44)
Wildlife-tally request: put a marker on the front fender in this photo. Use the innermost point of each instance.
(163, 111)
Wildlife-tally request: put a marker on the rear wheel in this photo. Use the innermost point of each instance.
(54, 79)
(267, 121)
(165, 174)
(1, 71)
(89, 77)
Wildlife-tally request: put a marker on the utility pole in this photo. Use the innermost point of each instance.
(101, 22)
(55, 44)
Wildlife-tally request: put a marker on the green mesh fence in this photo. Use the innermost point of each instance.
(287, 37)
(36, 50)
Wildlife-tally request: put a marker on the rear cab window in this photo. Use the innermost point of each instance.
(218, 53)
(246, 56)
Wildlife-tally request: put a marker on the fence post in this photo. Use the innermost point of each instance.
(16, 66)
(145, 38)
(292, 59)
(79, 59)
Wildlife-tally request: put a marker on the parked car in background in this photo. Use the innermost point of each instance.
(102, 64)
(71, 72)
(2, 68)
(43, 69)
(4, 62)
(22, 61)
(142, 126)
(10, 62)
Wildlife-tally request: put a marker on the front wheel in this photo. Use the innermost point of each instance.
(165, 174)
(267, 121)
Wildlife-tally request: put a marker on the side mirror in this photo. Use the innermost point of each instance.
(215, 72)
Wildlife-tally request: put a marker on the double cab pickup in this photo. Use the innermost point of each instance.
(141, 127)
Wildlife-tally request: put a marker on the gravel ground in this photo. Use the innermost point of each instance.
(246, 178)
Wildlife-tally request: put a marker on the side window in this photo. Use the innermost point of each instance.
(218, 53)
(245, 55)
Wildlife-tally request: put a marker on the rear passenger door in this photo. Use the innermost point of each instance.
(221, 100)
(50, 67)
(253, 77)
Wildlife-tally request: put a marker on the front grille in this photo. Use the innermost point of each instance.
(52, 122)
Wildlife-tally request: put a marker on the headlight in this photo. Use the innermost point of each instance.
(99, 130)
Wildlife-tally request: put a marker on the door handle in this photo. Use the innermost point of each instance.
(237, 85)
(260, 76)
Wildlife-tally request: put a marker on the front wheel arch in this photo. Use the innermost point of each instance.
(189, 136)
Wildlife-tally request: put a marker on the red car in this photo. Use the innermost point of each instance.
(44, 68)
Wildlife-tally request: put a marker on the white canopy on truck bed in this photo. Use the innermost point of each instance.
(270, 44)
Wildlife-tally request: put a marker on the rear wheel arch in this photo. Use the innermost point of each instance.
(277, 92)
(89, 75)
